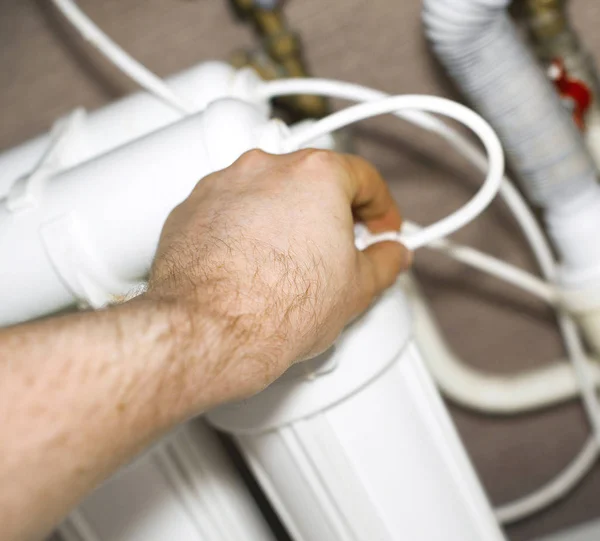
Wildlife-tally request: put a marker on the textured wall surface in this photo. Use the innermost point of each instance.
(45, 72)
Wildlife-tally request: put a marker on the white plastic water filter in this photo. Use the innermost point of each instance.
(357, 444)
(184, 488)
(348, 439)
(132, 117)
(96, 228)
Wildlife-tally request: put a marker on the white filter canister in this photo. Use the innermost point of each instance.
(184, 488)
(357, 444)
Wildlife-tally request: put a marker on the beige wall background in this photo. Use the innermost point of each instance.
(45, 72)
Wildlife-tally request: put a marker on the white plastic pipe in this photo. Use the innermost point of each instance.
(357, 445)
(553, 491)
(96, 231)
(132, 117)
(138, 72)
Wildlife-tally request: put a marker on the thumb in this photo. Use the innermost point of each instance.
(379, 266)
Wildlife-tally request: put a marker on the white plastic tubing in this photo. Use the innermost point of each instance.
(496, 395)
(482, 51)
(139, 73)
(489, 393)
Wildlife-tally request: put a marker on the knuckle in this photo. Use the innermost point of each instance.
(319, 159)
(253, 158)
(174, 215)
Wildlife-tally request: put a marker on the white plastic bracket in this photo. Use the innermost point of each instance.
(83, 274)
(27, 191)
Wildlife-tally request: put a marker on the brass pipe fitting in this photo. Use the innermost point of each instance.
(281, 56)
(547, 18)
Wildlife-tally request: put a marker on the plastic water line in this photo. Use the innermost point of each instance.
(485, 392)
(138, 72)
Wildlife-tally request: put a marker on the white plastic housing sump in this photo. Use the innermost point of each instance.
(94, 229)
(184, 488)
(357, 444)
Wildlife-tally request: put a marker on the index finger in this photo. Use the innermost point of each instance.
(371, 200)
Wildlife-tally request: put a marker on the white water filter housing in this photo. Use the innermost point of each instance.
(184, 488)
(357, 444)
(93, 234)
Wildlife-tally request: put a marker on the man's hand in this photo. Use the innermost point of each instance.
(255, 270)
(267, 247)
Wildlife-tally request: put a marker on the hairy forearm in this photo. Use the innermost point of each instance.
(83, 393)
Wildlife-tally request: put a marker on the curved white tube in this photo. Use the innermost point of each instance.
(432, 104)
(459, 383)
(553, 491)
(484, 392)
(127, 64)
(354, 92)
